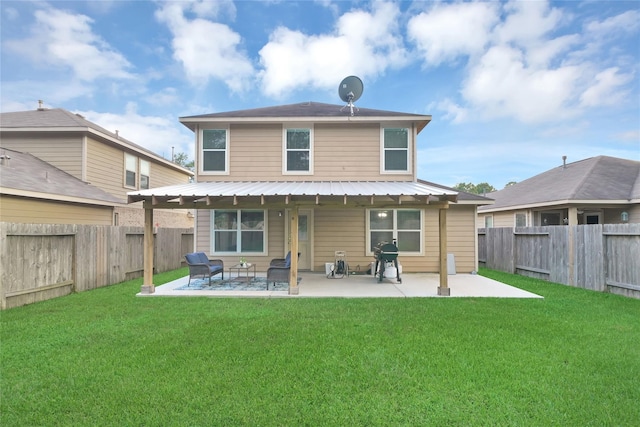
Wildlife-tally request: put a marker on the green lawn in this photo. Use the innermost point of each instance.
(105, 357)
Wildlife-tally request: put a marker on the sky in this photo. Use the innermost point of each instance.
(511, 86)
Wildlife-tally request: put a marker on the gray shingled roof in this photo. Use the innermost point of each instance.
(307, 109)
(311, 110)
(598, 178)
(26, 172)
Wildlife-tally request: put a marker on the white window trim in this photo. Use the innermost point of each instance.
(148, 175)
(368, 251)
(212, 230)
(490, 218)
(124, 177)
(410, 139)
(515, 219)
(200, 152)
(284, 148)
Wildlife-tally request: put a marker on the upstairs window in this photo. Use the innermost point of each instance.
(214, 150)
(298, 150)
(145, 173)
(130, 170)
(395, 152)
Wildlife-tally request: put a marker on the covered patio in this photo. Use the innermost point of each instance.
(316, 285)
(293, 196)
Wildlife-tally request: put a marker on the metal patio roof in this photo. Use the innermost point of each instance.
(289, 191)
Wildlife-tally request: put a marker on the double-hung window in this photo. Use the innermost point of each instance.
(395, 150)
(130, 171)
(215, 150)
(238, 231)
(298, 150)
(145, 172)
(402, 225)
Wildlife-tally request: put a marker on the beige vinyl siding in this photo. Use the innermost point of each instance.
(61, 151)
(461, 237)
(350, 152)
(341, 152)
(504, 219)
(162, 176)
(105, 168)
(256, 153)
(30, 211)
(340, 230)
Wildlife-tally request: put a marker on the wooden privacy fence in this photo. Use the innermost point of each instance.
(599, 257)
(44, 261)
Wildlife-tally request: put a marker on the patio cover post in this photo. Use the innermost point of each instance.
(443, 289)
(293, 271)
(147, 285)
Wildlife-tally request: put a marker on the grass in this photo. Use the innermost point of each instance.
(105, 357)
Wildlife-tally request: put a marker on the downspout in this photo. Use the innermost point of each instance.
(443, 289)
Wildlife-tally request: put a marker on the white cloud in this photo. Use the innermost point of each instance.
(501, 85)
(363, 43)
(449, 31)
(607, 89)
(452, 111)
(626, 22)
(155, 133)
(519, 62)
(206, 49)
(527, 22)
(64, 39)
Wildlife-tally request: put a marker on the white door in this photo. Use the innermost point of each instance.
(305, 238)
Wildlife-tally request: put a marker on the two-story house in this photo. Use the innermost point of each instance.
(313, 179)
(105, 162)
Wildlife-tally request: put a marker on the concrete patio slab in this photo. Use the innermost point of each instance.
(414, 285)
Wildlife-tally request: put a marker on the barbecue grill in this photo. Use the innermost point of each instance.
(386, 253)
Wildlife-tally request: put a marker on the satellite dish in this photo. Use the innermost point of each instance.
(350, 90)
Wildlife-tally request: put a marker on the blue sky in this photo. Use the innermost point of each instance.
(511, 86)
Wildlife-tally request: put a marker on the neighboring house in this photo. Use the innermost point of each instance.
(597, 190)
(92, 155)
(33, 191)
(344, 182)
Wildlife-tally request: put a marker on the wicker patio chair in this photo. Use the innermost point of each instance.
(200, 265)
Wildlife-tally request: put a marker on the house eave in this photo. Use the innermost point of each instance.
(556, 203)
(193, 122)
(57, 197)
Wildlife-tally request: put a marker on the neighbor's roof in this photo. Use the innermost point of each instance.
(596, 179)
(307, 111)
(197, 192)
(27, 176)
(58, 120)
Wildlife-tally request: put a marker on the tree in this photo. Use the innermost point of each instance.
(469, 187)
(183, 160)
